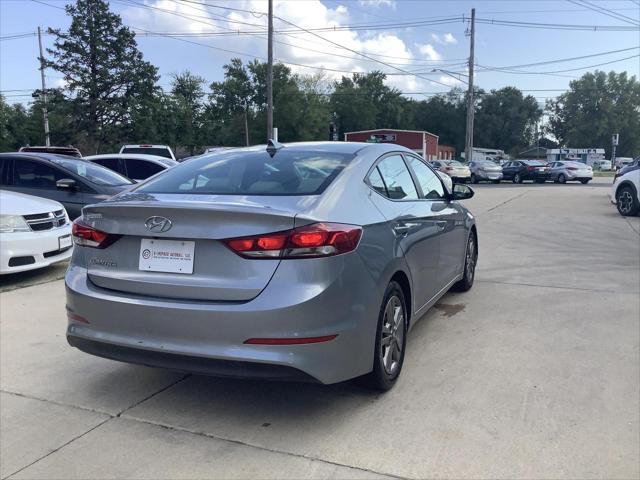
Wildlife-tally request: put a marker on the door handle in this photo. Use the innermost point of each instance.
(441, 224)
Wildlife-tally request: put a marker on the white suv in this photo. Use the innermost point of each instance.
(625, 192)
(146, 149)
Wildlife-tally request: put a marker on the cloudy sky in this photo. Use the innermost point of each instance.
(420, 44)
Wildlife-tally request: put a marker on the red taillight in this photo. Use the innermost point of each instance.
(531, 168)
(87, 236)
(448, 168)
(315, 240)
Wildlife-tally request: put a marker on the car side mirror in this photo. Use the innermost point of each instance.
(462, 191)
(67, 184)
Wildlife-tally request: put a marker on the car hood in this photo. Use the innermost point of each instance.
(14, 203)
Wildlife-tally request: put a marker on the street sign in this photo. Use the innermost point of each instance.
(615, 138)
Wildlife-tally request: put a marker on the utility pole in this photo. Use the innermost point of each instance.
(270, 74)
(45, 114)
(468, 144)
(246, 124)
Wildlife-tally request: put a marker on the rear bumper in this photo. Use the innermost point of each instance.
(195, 336)
(30, 250)
(484, 175)
(188, 364)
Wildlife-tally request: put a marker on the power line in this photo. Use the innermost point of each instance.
(557, 71)
(605, 11)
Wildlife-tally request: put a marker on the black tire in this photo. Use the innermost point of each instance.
(562, 178)
(474, 179)
(585, 181)
(627, 201)
(383, 376)
(517, 178)
(470, 261)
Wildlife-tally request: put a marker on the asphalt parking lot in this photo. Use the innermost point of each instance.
(534, 373)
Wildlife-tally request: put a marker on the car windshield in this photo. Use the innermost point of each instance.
(161, 152)
(256, 172)
(535, 163)
(487, 164)
(92, 172)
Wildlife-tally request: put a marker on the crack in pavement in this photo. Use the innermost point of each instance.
(112, 416)
(560, 287)
(259, 447)
(507, 201)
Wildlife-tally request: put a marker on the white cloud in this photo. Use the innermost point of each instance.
(298, 48)
(444, 39)
(378, 3)
(428, 51)
(452, 82)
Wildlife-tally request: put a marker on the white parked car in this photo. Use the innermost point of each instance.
(147, 149)
(137, 167)
(34, 232)
(625, 192)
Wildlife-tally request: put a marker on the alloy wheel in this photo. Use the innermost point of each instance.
(392, 340)
(472, 258)
(625, 202)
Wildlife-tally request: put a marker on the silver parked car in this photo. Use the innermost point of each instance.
(567, 171)
(456, 170)
(485, 170)
(304, 261)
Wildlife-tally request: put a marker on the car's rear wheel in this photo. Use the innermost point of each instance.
(517, 178)
(391, 339)
(474, 179)
(562, 178)
(584, 181)
(627, 202)
(470, 261)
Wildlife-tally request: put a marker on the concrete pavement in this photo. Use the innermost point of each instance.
(534, 373)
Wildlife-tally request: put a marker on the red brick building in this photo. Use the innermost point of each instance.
(423, 143)
(446, 152)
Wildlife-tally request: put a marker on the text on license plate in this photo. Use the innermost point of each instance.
(170, 256)
(64, 242)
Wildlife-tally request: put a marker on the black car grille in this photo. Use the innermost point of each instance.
(39, 222)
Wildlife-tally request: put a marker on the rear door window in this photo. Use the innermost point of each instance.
(397, 178)
(141, 169)
(161, 152)
(110, 163)
(30, 174)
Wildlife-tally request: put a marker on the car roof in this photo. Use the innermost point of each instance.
(145, 145)
(143, 156)
(50, 157)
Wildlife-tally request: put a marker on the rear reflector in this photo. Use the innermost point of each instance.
(76, 318)
(310, 241)
(289, 341)
(87, 236)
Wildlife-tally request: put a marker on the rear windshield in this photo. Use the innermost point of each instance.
(161, 152)
(92, 172)
(533, 162)
(454, 163)
(70, 152)
(252, 173)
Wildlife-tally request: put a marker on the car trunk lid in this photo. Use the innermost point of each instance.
(196, 224)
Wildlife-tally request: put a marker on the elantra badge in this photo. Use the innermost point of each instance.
(158, 224)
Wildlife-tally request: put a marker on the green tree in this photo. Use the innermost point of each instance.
(13, 119)
(444, 115)
(103, 69)
(364, 102)
(596, 106)
(506, 119)
(188, 95)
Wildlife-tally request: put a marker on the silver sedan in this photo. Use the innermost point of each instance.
(485, 170)
(568, 171)
(301, 261)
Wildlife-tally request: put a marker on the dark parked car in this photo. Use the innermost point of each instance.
(68, 151)
(71, 181)
(137, 167)
(521, 170)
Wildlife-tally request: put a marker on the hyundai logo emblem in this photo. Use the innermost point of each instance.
(158, 224)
